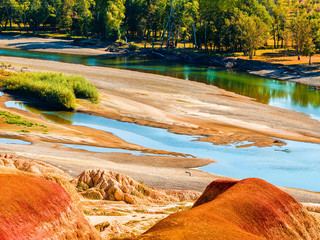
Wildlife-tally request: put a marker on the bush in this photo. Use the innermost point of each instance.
(133, 46)
(53, 89)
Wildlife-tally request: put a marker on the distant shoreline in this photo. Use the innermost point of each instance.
(304, 74)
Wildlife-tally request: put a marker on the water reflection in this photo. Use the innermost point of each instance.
(38, 110)
(282, 94)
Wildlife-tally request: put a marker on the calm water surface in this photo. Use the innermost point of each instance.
(294, 165)
(13, 141)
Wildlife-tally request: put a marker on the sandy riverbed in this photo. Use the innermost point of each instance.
(180, 106)
(53, 45)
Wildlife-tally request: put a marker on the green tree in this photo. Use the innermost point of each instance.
(83, 16)
(253, 33)
(37, 13)
(135, 11)
(107, 18)
(301, 33)
(155, 17)
(114, 18)
(309, 48)
(8, 9)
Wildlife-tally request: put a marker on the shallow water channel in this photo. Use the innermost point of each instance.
(13, 141)
(294, 165)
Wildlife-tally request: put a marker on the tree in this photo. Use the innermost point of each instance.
(114, 18)
(37, 13)
(135, 11)
(63, 13)
(183, 14)
(83, 16)
(301, 33)
(309, 48)
(155, 17)
(253, 33)
(8, 8)
(107, 18)
(280, 21)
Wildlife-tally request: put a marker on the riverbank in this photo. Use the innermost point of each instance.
(299, 73)
(265, 67)
(52, 45)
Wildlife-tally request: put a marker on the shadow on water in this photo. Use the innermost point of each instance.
(41, 111)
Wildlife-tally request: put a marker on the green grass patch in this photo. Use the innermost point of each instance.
(52, 89)
(14, 119)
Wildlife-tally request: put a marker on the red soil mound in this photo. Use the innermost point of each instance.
(213, 190)
(32, 208)
(247, 209)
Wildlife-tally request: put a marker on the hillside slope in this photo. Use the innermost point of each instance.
(32, 208)
(247, 209)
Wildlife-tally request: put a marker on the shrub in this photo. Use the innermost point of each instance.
(133, 46)
(53, 89)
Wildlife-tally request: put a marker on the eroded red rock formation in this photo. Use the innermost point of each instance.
(33, 208)
(25, 165)
(247, 209)
(115, 186)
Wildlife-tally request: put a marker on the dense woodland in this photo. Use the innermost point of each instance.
(219, 25)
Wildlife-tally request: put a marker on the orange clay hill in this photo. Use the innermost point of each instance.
(239, 210)
(32, 208)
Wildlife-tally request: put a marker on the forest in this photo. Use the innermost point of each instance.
(211, 25)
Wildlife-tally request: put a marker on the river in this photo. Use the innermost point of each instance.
(294, 165)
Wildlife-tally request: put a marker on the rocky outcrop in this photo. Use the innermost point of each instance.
(33, 208)
(247, 209)
(15, 162)
(115, 186)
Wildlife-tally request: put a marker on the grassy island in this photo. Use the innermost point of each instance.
(55, 90)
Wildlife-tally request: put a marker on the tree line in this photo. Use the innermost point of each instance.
(219, 25)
